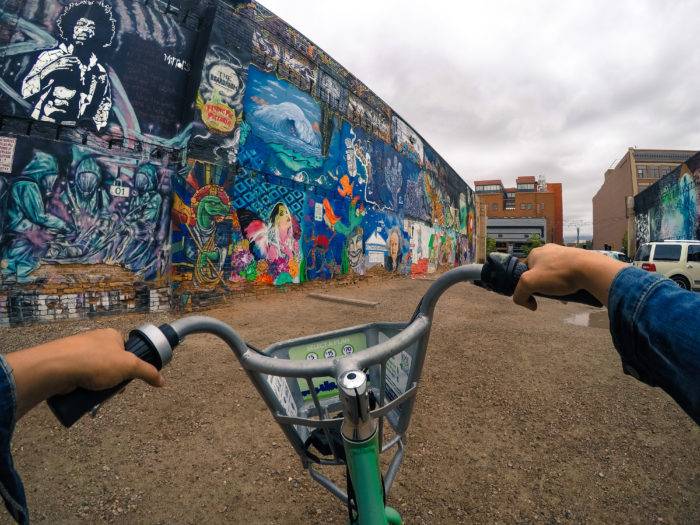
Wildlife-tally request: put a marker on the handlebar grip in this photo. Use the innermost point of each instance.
(502, 272)
(151, 344)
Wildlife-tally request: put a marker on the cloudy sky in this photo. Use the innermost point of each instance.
(506, 88)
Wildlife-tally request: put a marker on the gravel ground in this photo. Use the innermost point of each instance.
(521, 417)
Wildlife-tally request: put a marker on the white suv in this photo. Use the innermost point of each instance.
(678, 260)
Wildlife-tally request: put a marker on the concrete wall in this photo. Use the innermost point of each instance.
(609, 206)
(161, 155)
(670, 208)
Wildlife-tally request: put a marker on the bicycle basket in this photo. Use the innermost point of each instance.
(306, 405)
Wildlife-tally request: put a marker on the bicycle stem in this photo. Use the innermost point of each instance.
(357, 425)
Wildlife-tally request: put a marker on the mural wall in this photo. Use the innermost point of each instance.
(187, 154)
(670, 209)
(94, 98)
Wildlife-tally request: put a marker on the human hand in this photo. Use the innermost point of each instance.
(97, 361)
(556, 270)
(94, 360)
(65, 63)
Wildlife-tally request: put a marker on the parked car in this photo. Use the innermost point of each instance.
(618, 256)
(678, 260)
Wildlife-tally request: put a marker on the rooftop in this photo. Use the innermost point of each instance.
(525, 180)
(487, 182)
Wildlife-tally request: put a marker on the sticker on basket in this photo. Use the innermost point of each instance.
(325, 387)
(283, 393)
(398, 370)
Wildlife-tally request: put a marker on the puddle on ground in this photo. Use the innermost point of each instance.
(596, 319)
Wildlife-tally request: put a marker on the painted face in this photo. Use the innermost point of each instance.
(394, 245)
(355, 249)
(83, 31)
(142, 182)
(284, 224)
(86, 182)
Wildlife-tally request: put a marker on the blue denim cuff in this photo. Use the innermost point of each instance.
(11, 488)
(628, 293)
(655, 326)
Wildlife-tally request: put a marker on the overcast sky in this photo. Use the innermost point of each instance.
(507, 88)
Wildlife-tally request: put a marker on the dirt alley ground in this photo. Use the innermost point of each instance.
(520, 418)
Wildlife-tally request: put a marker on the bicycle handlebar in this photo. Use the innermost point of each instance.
(501, 274)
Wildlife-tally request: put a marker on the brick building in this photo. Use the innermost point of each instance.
(638, 169)
(529, 199)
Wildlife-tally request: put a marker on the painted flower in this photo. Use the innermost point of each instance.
(264, 279)
(262, 267)
(293, 268)
(250, 272)
(240, 259)
(278, 266)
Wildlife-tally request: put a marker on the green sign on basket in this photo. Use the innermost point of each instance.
(325, 387)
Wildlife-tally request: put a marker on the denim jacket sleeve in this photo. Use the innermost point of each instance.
(11, 487)
(655, 326)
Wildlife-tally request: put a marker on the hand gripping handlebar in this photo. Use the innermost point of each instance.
(155, 345)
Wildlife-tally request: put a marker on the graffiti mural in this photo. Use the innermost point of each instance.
(285, 136)
(670, 209)
(187, 151)
(334, 243)
(387, 244)
(68, 83)
(73, 204)
(269, 216)
(219, 98)
(117, 67)
(408, 142)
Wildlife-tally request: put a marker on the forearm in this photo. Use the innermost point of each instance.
(39, 373)
(595, 272)
(94, 360)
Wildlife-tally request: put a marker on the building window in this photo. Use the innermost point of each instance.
(640, 172)
(529, 205)
(527, 235)
(489, 187)
(500, 235)
(526, 187)
(522, 206)
(541, 206)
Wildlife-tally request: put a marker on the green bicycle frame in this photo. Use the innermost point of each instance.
(365, 474)
(361, 443)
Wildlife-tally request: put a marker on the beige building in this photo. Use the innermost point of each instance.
(637, 170)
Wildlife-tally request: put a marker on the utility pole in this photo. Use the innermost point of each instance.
(577, 223)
